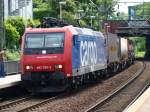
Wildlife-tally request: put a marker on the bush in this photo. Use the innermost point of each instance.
(12, 36)
(33, 23)
(12, 55)
(18, 23)
(36, 23)
(15, 28)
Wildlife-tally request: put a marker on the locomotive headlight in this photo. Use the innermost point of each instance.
(29, 67)
(58, 67)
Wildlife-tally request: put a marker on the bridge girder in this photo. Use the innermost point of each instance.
(133, 31)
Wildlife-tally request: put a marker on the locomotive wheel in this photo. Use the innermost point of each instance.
(73, 85)
(105, 73)
(123, 65)
(114, 68)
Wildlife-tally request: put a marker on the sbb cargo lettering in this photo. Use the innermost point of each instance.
(88, 52)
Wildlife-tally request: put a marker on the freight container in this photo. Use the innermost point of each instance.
(124, 48)
(113, 48)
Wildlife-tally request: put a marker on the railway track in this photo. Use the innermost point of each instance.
(39, 104)
(27, 103)
(142, 91)
(96, 106)
(33, 104)
(14, 102)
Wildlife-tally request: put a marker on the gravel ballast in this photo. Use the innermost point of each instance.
(81, 100)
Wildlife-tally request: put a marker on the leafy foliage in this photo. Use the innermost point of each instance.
(72, 11)
(143, 10)
(40, 13)
(68, 17)
(12, 36)
(12, 55)
(15, 28)
(75, 9)
(139, 43)
(18, 23)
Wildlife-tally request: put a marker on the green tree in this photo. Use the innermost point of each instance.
(12, 36)
(143, 10)
(15, 28)
(139, 43)
(101, 9)
(39, 4)
(18, 23)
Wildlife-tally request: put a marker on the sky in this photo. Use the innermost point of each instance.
(123, 6)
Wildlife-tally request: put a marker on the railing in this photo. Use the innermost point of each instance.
(12, 67)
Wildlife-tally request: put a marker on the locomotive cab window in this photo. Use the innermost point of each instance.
(54, 40)
(34, 41)
(53, 43)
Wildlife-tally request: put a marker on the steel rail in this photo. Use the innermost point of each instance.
(141, 92)
(44, 102)
(116, 91)
(15, 102)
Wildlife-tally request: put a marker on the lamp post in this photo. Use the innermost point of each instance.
(79, 12)
(2, 29)
(92, 20)
(60, 6)
(107, 38)
(26, 21)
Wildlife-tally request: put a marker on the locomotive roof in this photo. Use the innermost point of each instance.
(86, 31)
(74, 30)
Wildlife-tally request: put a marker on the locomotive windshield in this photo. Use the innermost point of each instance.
(34, 41)
(51, 42)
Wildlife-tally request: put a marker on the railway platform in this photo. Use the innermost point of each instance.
(142, 104)
(9, 81)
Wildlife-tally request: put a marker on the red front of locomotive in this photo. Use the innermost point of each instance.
(46, 57)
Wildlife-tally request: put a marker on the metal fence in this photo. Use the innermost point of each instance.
(12, 67)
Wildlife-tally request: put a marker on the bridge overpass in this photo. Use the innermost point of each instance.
(130, 28)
